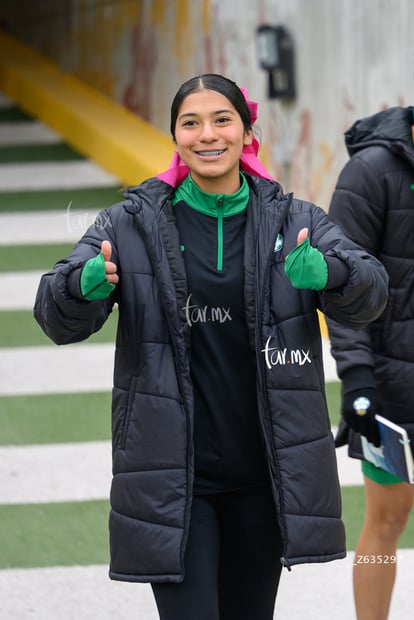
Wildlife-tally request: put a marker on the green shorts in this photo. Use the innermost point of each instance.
(377, 474)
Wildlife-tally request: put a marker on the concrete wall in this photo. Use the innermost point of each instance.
(353, 58)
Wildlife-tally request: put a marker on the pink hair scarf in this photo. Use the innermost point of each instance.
(249, 162)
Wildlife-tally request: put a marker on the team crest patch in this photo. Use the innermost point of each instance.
(278, 243)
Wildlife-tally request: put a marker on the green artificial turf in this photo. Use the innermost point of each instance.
(12, 113)
(76, 533)
(58, 534)
(55, 418)
(18, 328)
(353, 507)
(92, 198)
(31, 153)
(333, 396)
(32, 257)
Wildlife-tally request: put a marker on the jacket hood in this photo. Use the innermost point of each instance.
(152, 191)
(390, 128)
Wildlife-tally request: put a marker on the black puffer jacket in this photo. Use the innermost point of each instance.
(374, 204)
(152, 395)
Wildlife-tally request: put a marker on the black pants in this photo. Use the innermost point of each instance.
(232, 561)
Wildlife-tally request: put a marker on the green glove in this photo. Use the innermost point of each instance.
(306, 267)
(93, 282)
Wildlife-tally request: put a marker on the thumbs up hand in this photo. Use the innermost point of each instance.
(305, 266)
(99, 275)
(110, 268)
(302, 235)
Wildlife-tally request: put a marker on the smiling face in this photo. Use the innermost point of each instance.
(209, 138)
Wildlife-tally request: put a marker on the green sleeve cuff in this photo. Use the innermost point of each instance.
(93, 282)
(306, 267)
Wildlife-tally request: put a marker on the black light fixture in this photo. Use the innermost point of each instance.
(276, 56)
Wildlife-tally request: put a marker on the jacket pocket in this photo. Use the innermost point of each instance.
(128, 412)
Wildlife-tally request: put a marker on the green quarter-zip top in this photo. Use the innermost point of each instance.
(228, 449)
(218, 206)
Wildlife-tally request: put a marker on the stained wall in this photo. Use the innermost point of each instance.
(352, 58)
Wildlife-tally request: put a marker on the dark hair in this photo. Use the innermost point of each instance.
(211, 81)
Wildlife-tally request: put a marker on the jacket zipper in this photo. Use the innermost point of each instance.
(261, 296)
(283, 560)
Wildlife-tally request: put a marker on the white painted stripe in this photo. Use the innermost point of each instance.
(51, 369)
(329, 363)
(324, 591)
(56, 370)
(75, 592)
(53, 175)
(86, 592)
(55, 472)
(27, 133)
(43, 227)
(349, 470)
(18, 289)
(82, 471)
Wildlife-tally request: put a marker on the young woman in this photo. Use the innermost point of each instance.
(224, 464)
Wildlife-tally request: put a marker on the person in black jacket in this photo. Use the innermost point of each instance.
(374, 204)
(220, 428)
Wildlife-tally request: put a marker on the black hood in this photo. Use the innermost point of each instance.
(390, 128)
